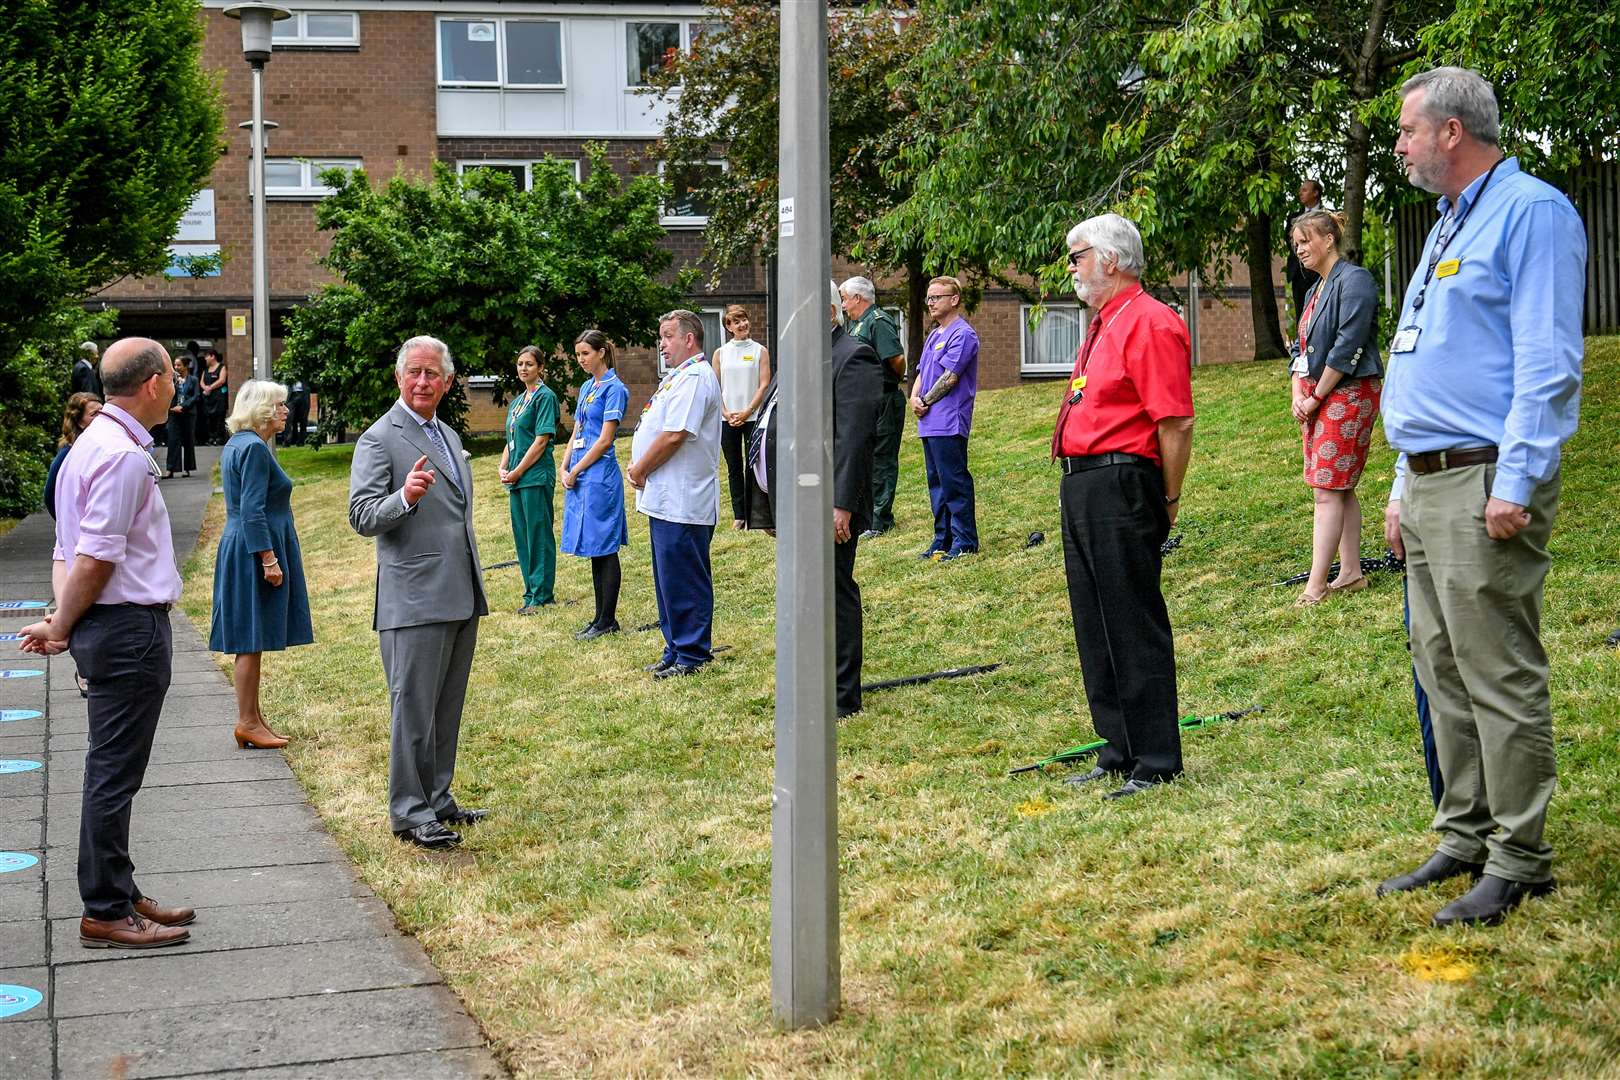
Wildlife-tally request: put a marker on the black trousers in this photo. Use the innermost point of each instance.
(1114, 521)
(734, 446)
(125, 651)
(183, 442)
(847, 627)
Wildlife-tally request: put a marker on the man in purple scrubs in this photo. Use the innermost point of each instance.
(942, 397)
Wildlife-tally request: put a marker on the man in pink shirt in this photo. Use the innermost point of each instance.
(116, 580)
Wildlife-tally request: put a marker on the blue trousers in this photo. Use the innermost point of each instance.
(1431, 759)
(684, 587)
(950, 492)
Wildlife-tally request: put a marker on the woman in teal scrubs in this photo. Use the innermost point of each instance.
(593, 506)
(530, 476)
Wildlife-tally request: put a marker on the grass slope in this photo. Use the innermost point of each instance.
(612, 917)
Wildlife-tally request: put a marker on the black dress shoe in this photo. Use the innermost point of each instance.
(432, 836)
(676, 671)
(591, 633)
(660, 666)
(1094, 775)
(873, 534)
(1133, 786)
(461, 816)
(1440, 867)
(1489, 901)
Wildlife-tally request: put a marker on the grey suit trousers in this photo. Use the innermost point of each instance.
(427, 668)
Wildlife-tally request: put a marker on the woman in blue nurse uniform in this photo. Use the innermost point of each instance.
(593, 525)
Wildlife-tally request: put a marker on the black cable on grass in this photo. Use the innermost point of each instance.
(932, 676)
(499, 565)
(1368, 566)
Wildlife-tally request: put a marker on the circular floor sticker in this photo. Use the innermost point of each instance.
(18, 765)
(21, 605)
(9, 715)
(18, 999)
(10, 637)
(16, 860)
(21, 673)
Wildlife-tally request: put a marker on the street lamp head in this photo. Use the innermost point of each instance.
(257, 28)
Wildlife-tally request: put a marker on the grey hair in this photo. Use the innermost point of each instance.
(424, 341)
(1113, 237)
(90, 349)
(255, 405)
(860, 287)
(689, 322)
(1457, 92)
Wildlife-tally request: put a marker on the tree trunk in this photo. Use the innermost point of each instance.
(1358, 140)
(1268, 340)
(916, 308)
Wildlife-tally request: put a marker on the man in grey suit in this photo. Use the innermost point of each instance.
(410, 488)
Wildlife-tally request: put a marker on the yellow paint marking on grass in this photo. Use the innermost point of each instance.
(1439, 964)
(1035, 808)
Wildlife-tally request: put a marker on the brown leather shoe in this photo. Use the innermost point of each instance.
(150, 910)
(131, 933)
(257, 736)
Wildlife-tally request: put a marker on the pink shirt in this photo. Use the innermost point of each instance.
(108, 507)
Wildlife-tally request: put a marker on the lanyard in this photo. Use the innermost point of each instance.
(1445, 238)
(1091, 344)
(151, 462)
(1077, 386)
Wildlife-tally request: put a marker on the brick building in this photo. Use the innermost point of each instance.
(393, 85)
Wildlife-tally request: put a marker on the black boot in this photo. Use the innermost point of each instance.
(1489, 901)
(1439, 867)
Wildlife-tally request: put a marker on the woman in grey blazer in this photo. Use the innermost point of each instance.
(1337, 377)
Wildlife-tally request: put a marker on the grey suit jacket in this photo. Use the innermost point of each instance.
(1343, 331)
(427, 557)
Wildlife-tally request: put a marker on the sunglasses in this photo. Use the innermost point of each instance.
(1074, 257)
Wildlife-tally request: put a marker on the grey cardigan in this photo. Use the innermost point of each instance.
(1344, 328)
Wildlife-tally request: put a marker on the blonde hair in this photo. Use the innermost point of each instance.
(255, 404)
(1328, 223)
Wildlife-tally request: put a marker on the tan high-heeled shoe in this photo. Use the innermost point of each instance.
(1305, 599)
(256, 736)
(1355, 584)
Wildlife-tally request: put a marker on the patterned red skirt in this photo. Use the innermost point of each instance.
(1337, 440)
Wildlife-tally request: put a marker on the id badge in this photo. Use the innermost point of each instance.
(1405, 339)
(579, 443)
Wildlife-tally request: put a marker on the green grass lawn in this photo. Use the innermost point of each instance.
(612, 917)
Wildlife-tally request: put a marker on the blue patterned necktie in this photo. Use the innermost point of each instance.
(436, 437)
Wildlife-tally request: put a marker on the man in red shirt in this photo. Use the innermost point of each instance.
(1124, 433)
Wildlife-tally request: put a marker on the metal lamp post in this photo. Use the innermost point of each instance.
(258, 22)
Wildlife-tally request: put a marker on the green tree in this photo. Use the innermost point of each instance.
(725, 99)
(108, 126)
(484, 267)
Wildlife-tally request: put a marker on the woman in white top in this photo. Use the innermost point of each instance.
(743, 367)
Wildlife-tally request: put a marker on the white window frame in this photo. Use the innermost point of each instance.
(311, 188)
(1025, 366)
(303, 40)
(686, 26)
(667, 219)
(500, 82)
(708, 346)
(463, 164)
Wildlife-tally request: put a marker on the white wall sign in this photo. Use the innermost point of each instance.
(197, 224)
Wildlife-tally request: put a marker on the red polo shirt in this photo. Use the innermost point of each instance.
(1138, 372)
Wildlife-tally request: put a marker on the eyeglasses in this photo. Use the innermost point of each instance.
(939, 299)
(1074, 257)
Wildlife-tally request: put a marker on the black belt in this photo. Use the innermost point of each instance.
(154, 607)
(1084, 462)
(1441, 460)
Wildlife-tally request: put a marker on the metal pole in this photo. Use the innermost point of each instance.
(1192, 316)
(1389, 283)
(804, 803)
(261, 271)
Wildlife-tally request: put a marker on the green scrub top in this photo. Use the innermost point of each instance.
(532, 415)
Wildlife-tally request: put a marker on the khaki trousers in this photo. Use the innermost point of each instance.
(1476, 639)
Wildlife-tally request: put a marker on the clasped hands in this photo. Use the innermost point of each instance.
(1305, 405)
(41, 638)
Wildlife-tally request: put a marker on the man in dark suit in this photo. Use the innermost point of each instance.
(1300, 279)
(86, 378)
(857, 395)
(411, 488)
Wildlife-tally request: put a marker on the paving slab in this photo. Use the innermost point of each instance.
(215, 853)
(243, 822)
(207, 890)
(259, 926)
(435, 1065)
(21, 834)
(36, 978)
(25, 1049)
(167, 800)
(68, 775)
(23, 943)
(317, 1029)
(22, 899)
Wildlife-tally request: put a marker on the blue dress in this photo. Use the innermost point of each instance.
(250, 614)
(593, 509)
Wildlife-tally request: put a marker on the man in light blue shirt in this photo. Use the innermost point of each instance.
(1482, 391)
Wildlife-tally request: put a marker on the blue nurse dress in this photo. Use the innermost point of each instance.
(593, 509)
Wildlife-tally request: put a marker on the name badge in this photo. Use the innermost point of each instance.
(748, 358)
(1076, 387)
(1447, 268)
(578, 443)
(1405, 339)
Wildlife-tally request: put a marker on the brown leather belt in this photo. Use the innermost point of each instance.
(1441, 460)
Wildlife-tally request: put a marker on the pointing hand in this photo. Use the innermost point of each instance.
(417, 483)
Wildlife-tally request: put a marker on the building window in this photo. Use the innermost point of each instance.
(299, 178)
(714, 335)
(650, 47)
(318, 29)
(686, 206)
(520, 170)
(519, 53)
(1051, 346)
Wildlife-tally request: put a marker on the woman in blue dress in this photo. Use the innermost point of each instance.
(260, 602)
(593, 524)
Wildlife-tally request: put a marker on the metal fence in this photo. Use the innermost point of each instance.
(1594, 188)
